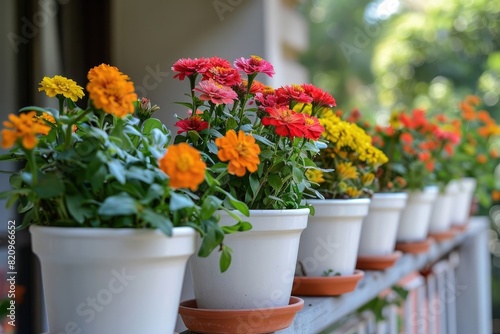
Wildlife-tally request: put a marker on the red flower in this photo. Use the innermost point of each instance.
(254, 64)
(193, 123)
(287, 122)
(406, 138)
(313, 129)
(188, 67)
(319, 97)
(296, 93)
(215, 92)
(269, 100)
(220, 70)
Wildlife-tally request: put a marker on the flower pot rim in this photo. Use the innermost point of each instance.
(349, 201)
(99, 232)
(267, 212)
(392, 195)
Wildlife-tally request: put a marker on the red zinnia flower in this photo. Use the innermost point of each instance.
(313, 129)
(319, 97)
(192, 123)
(287, 122)
(215, 92)
(188, 67)
(296, 93)
(254, 64)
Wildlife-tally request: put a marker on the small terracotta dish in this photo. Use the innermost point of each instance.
(326, 286)
(443, 236)
(230, 321)
(378, 262)
(414, 247)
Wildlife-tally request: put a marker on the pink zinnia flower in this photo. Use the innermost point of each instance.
(195, 123)
(226, 76)
(188, 67)
(215, 92)
(254, 64)
(269, 101)
(287, 122)
(313, 129)
(319, 97)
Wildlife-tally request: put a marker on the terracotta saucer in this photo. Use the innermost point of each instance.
(414, 247)
(326, 286)
(229, 321)
(378, 262)
(443, 236)
(460, 228)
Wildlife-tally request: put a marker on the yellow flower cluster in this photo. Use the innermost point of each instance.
(349, 135)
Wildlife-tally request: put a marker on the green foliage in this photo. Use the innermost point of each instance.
(94, 169)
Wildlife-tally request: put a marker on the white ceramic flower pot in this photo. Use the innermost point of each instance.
(263, 263)
(380, 226)
(415, 218)
(331, 239)
(102, 281)
(442, 210)
(463, 200)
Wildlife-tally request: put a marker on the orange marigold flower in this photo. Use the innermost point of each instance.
(481, 158)
(24, 128)
(495, 195)
(240, 150)
(468, 112)
(494, 154)
(472, 100)
(484, 117)
(183, 164)
(43, 119)
(111, 90)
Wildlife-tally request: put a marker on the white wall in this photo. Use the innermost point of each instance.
(150, 35)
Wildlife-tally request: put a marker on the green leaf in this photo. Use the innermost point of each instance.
(298, 174)
(213, 237)
(209, 206)
(118, 205)
(178, 201)
(254, 184)
(275, 181)
(225, 258)
(78, 211)
(157, 220)
(117, 169)
(49, 186)
(263, 140)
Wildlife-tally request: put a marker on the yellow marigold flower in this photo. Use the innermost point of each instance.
(315, 175)
(111, 90)
(59, 85)
(183, 164)
(240, 150)
(353, 192)
(24, 128)
(367, 179)
(40, 119)
(346, 171)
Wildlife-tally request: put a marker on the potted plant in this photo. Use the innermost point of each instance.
(257, 150)
(477, 155)
(109, 205)
(406, 143)
(446, 134)
(329, 245)
(387, 201)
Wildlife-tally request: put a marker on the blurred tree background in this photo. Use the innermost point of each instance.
(384, 55)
